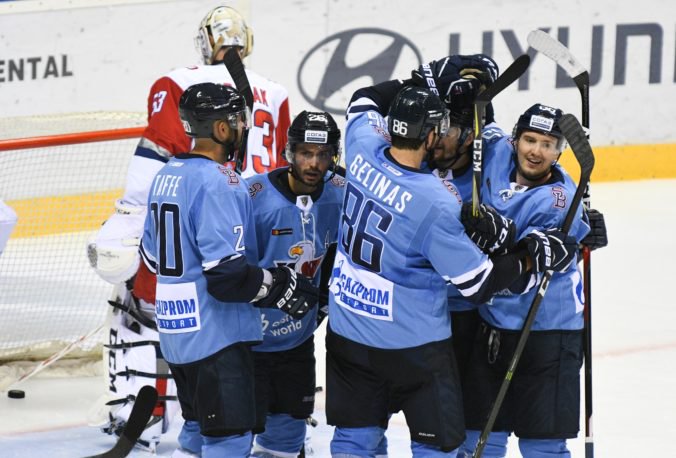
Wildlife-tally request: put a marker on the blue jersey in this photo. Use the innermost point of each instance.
(400, 241)
(294, 231)
(463, 183)
(199, 215)
(537, 208)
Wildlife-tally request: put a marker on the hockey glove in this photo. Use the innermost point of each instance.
(457, 79)
(289, 292)
(598, 236)
(550, 249)
(490, 231)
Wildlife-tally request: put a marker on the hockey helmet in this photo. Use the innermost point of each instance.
(415, 112)
(542, 119)
(204, 103)
(223, 26)
(317, 127)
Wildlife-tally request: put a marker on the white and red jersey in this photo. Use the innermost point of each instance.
(269, 117)
(165, 137)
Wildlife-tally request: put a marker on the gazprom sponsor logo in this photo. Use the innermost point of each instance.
(177, 308)
(360, 291)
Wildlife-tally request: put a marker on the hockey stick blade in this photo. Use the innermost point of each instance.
(577, 140)
(543, 42)
(511, 74)
(138, 419)
(555, 50)
(575, 135)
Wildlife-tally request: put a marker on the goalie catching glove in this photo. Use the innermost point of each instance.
(490, 231)
(289, 292)
(550, 249)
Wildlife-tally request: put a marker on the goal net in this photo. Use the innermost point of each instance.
(61, 174)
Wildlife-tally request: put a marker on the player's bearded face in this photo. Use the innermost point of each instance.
(535, 154)
(311, 162)
(447, 152)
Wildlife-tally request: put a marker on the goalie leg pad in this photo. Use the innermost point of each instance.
(133, 357)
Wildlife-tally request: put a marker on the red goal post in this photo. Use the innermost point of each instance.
(61, 174)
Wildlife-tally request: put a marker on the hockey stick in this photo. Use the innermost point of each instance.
(138, 419)
(511, 74)
(577, 140)
(235, 67)
(552, 48)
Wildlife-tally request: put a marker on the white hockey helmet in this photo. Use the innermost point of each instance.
(223, 26)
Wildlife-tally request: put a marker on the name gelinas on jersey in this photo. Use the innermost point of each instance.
(360, 291)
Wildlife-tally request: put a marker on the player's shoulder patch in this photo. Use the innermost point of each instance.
(379, 124)
(255, 188)
(232, 177)
(337, 181)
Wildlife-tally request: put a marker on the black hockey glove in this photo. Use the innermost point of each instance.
(289, 292)
(598, 236)
(457, 79)
(550, 249)
(491, 231)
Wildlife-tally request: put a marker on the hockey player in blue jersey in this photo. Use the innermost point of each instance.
(199, 239)
(458, 78)
(400, 242)
(522, 181)
(296, 211)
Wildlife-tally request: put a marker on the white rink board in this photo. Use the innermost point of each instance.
(114, 53)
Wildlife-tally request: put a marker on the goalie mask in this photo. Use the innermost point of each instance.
(223, 26)
(314, 128)
(203, 104)
(542, 119)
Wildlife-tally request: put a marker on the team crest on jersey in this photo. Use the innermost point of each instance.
(233, 179)
(255, 189)
(338, 181)
(302, 259)
(559, 197)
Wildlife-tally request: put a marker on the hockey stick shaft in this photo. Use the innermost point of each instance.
(577, 140)
(511, 74)
(138, 419)
(555, 50)
(233, 63)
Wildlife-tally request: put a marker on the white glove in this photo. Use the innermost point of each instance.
(113, 251)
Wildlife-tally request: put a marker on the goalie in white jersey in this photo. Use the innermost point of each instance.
(400, 242)
(133, 358)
